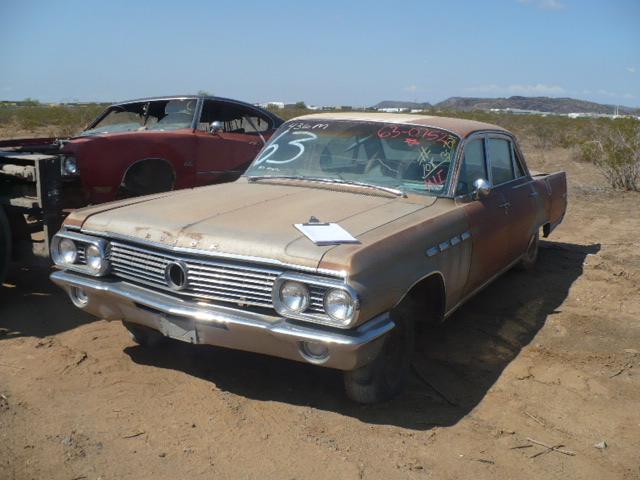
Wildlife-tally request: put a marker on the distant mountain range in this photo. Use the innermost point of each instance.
(541, 104)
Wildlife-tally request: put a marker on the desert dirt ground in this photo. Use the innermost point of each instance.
(549, 356)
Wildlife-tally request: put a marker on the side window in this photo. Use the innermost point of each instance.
(500, 160)
(234, 118)
(517, 161)
(253, 123)
(473, 167)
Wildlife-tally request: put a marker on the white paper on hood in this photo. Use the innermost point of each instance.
(326, 233)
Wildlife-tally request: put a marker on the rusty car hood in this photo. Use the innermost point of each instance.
(247, 219)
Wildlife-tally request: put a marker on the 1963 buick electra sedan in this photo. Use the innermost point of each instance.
(346, 231)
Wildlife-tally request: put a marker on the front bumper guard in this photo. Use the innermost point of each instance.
(205, 323)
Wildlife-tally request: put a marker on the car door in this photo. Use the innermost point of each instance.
(508, 174)
(225, 154)
(488, 216)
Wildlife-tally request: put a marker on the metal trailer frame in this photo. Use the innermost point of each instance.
(31, 184)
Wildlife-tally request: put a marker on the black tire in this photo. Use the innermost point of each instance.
(384, 377)
(531, 256)
(5, 245)
(144, 336)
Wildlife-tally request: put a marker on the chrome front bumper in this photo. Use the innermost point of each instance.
(204, 323)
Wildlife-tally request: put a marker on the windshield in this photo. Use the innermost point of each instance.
(388, 155)
(140, 116)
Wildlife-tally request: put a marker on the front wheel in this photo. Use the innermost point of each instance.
(384, 377)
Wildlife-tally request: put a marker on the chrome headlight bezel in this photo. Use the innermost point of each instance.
(81, 241)
(69, 166)
(311, 281)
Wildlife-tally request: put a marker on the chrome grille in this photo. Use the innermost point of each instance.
(215, 279)
(81, 260)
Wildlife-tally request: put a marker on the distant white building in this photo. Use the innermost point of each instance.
(393, 110)
(270, 105)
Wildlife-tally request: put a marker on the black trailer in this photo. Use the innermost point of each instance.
(30, 200)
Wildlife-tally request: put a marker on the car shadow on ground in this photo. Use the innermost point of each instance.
(453, 368)
(32, 306)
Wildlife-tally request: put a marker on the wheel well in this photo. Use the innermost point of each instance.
(426, 299)
(150, 175)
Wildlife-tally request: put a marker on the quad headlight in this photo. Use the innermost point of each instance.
(68, 252)
(339, 305)
(321, 300)
(68, 166)
(294, 296)
(79, 252)
(94, 258)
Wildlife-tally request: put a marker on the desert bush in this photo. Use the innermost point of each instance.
(616, 152)
(61, 120)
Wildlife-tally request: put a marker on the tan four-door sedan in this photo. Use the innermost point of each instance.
(345, 231)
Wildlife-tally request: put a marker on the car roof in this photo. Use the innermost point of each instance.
(177, 97)
(461, 127)
(272, 115)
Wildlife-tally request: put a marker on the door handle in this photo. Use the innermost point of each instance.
(533, 194)
(505, 205)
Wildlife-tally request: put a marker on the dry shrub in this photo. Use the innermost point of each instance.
(616, 151)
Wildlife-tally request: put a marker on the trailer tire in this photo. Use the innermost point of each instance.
(5, 244)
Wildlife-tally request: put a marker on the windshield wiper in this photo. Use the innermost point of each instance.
(255, 178)
(395, 191)
(338, 181)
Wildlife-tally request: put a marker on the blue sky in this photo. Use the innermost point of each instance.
(330, 52)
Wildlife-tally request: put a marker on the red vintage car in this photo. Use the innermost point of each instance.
(158, 144)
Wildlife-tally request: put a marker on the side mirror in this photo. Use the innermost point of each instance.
(481, 188)
(216, 127)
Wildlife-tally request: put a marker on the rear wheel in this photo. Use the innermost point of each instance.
(384, 377)
(5, 244)
(531, 256)
(144, 336)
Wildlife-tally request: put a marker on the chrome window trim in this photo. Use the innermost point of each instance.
(100, 243)
(197, 114)
(216, 254)
(511, 139)
(310, 280)
(486, 135)
(459, 159)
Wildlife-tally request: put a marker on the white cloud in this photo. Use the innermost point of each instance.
(631, 69)
(517, 89)
(411, 89)
(544, 4)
